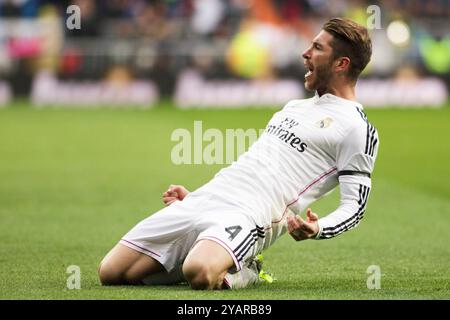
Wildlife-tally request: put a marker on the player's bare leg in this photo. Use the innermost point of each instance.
(123, 265)
(206, 265)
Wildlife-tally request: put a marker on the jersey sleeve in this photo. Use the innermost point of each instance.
(355, 160)
(357, 151)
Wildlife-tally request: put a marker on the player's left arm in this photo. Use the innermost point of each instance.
(356, 156)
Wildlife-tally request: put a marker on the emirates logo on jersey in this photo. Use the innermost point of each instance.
(283, 132)
(325, 123)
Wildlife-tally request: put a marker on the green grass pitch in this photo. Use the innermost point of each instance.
(72, 182)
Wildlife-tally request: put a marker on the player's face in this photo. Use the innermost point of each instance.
(318, 63)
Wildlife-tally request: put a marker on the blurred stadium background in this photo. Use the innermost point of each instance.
(194, 51)
(73, 181)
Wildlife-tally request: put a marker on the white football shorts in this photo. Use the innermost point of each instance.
(169, 234)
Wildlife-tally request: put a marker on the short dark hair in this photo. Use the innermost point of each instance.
(351, 40)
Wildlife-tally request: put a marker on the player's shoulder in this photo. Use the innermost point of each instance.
(360, 131)
(297, 103)
(362, 120)
(356, 119)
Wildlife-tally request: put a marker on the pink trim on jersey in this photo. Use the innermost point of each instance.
(225, 246)
(226, 283)
(332, 170)
(128, 243)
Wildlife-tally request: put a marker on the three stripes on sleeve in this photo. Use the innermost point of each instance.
(353, 221)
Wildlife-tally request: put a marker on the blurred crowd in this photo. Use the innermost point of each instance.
(122, 39)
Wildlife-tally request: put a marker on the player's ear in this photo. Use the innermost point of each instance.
(342, 64)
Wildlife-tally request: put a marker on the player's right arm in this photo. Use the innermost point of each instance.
(174, 193)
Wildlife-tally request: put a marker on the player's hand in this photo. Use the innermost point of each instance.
(300, 229)
(174, 193)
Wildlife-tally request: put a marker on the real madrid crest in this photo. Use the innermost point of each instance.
(324, 123)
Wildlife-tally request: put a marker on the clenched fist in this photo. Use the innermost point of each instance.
(174, 193)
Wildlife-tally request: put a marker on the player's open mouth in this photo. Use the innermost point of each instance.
(310, 70)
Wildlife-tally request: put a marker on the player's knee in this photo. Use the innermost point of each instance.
(109, 275)
(132, 278)
(201, 281)
(198, 275)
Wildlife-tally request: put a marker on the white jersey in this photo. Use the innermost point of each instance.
(306, 150)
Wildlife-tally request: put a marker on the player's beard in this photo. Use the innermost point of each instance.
(320, 78)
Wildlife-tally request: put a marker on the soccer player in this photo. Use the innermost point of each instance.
(211, 236)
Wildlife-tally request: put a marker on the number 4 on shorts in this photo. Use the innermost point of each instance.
(233, 231)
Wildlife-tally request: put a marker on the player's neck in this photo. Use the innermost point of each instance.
(343, 91)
